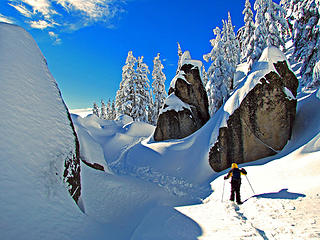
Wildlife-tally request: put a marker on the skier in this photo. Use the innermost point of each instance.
(235, 174)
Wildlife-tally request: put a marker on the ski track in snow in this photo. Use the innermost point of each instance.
(258, 218)
(172, 184)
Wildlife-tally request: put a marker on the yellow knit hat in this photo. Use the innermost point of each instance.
(234, 165)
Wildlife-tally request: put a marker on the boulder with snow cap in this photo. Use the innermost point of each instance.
(260, 124)
(39, 146)
(186, 108)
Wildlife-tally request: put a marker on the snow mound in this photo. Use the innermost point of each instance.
(174, 103)
(83, 112)
(36, 139)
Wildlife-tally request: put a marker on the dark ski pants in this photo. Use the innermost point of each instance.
(235, 190)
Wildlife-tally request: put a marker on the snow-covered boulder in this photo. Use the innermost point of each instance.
(261, 113)
(39, 148)
(186, 108)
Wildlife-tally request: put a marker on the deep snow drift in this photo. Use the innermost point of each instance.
(35, 140)
(147, 188)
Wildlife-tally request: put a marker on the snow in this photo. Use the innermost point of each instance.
(148, 190)
(180, 75)
(289, 93)
(186, 59)
(174, 103)
(286, 200)
(83, 112)
(36, 138)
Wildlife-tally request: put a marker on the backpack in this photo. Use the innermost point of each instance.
(236, 174)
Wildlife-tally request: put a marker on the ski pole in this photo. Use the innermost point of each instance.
(224, 181)
(250, 185)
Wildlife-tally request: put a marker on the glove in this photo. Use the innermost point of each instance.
(225, 178)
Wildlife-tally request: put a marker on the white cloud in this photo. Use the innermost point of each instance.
(42, 24)
(43, 7)
(96, 10)
(55, 37)
(67, 15)
(5, 19)
(22, 9)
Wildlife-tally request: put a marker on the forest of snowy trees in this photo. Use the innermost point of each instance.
(135, 97)
(267, 24)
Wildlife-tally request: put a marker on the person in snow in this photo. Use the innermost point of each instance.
(235, 174)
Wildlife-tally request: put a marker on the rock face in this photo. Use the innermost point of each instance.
(262, 125)
(186, 108)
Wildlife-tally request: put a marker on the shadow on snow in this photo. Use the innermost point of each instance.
(282, 194)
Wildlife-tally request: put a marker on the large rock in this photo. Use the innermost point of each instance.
(186, 108)
(39, 150)
(262, 124)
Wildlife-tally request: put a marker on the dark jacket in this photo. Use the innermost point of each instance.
(235, 174)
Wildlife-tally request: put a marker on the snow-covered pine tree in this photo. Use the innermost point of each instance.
(270, 26)
(247, 37)
(260, 32)
(304, 16)
(316, 76)
(103, 114)
(277, 25)
(291, 7)
(142, 95)
(108, 110)
(218, 73)
(95, 110)
(232, 50)
(151, 110)
(204, 76)
(179, 57)
(113, 114)
(158, 88)
(125, 98)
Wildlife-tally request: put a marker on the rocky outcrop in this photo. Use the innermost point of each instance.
(186, 108)
(71, 173)
(262, 124)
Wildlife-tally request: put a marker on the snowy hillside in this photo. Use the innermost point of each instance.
(148, 190)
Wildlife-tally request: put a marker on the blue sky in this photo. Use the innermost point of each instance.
(86, 42)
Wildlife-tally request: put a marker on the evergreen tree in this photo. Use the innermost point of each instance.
(247, 38)
(204, 76)
(125, 98)
(95, 110)
(316, 76)
(141, 93)
(158, 86)
(277, 25)
(232, 50)
(218, 86)
(103, 114)
(260, 32)
(108, 110)
(113, 113)
(305, 34)
(151, 111)
(179, 57)
(270, 27)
